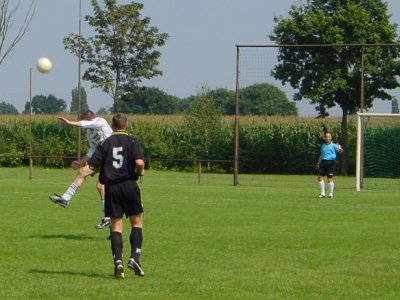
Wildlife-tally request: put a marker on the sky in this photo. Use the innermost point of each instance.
(200, 51)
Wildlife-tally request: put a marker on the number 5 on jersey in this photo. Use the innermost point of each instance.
(118, 159)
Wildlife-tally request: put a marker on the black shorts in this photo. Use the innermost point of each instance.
(122, 198)
(327, 168)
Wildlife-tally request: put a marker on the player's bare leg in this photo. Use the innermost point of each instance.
(73, 188)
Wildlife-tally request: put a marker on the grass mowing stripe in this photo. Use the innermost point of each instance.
(268, 238)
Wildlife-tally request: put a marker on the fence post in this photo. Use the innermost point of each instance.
(199, 172)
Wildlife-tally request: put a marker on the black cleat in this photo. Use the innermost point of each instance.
(104, 223)
(321, 196)
(136, 267)
(119, 270)
(58, 200)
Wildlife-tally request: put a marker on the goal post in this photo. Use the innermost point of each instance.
(360, 155)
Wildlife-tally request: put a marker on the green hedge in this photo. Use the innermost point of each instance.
(267, 145)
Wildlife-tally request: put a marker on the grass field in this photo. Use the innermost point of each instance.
(268, 238)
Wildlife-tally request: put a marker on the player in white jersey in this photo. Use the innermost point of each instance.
(97, 130)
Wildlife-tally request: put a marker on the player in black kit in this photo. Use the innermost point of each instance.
(119, 159)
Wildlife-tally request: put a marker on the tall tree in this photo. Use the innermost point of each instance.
(46, 105)
(75, 100)
(122, 51)
(8, 42)
(8, 109)
(331, 76)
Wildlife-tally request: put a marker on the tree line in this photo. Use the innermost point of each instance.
(258, 99)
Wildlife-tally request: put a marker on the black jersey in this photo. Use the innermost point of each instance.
(115, 158)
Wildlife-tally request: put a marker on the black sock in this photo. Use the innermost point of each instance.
(136, 239)
(116, 245)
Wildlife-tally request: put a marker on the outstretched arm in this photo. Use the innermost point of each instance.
(68, 122)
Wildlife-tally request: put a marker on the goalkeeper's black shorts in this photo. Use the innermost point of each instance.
(327, 168)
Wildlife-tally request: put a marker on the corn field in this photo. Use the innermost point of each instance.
(268, 145)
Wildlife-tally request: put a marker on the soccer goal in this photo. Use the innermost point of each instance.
(378, 150)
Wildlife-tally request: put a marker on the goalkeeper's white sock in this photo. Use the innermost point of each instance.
(331, 187)
(70, 192)
(322, 186)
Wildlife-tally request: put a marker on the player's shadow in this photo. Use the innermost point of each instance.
(76, 237)
(65, 272)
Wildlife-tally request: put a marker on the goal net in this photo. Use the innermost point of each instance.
(378, 149)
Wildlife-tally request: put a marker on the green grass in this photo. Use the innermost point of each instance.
(268, 238)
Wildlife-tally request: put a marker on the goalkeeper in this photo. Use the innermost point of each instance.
(326, 164)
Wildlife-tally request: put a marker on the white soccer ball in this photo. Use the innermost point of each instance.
(44, 65)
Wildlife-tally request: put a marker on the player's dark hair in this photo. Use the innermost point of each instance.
(119, 122)
(88, 115)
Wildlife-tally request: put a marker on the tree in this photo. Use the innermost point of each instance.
(122, 52)
(46, 105)
(7, 43)
(204, 121)
(148, 100)
(257, 99)
(74, 102)
(331, 76)
(224, 99)
(265, 99)
(8, 109)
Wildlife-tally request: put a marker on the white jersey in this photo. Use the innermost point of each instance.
(97, 130)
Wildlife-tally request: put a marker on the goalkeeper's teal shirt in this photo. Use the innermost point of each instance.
(329, 151)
